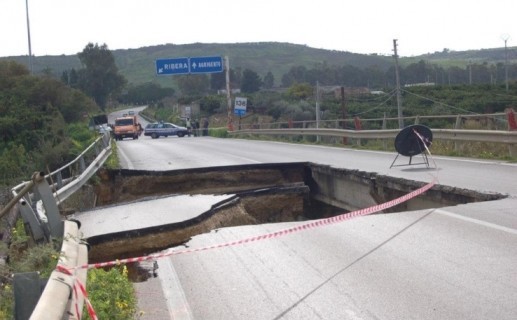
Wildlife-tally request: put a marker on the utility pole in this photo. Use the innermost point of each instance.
(228, 93)
(397, 77)
(29, 36)
(343, 108)
(470, 72)
(505, 38)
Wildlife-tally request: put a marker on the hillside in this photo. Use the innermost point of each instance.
(138, 65)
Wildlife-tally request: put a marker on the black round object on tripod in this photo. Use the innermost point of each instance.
(407, 142)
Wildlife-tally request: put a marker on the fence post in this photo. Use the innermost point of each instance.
(384, 125)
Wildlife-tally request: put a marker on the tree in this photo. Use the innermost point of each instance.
(34, 114)
(69, 77)
(301, 91)
(210, 104)
(191, 85)
(296, 74)
(250, 81)
(146, 93)
(99, 78)
(269, 80)
(218, 81)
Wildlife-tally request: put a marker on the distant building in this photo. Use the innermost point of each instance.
(188, 111)
(423, 84)
(223, 91)
(350, 91)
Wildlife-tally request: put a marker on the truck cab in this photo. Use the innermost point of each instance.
(126, 127)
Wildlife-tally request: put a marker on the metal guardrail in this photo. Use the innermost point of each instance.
(505, 137)
(101, 150)
(491, 121)
(38, 201)
(445, 134)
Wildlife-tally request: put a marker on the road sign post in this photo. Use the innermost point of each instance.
(240, 108)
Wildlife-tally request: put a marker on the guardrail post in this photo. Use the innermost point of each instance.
(55, 222)
(98, 149)
(384, 124)
(106, 139)
(457, 126)
(59, 178)
(512, 150)
(358, 127)
(458, 122)
(38, 231)
(82, 165)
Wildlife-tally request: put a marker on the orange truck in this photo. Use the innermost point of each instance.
(126, 127)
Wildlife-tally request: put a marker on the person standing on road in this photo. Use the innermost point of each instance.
(195, 126)
(205, 126)
(189, 126)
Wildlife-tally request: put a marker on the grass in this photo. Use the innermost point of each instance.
(479, 150)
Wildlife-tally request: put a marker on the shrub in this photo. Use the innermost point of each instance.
(111, 294)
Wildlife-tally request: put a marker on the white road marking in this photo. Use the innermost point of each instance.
(476, 221)
(173, 292)
(126, 159)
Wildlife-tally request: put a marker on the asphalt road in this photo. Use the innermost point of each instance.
(450, 263)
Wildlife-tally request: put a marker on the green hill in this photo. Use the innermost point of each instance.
(138, 65)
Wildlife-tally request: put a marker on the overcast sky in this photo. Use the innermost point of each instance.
(359, 26)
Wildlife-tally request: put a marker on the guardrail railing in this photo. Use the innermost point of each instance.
(38, 201)
(492, 121)
(495, 136)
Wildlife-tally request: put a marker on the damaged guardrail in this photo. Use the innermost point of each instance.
(38, 201)
(58, 300)
(78, 174)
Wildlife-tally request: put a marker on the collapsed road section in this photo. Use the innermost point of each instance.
(141, 212)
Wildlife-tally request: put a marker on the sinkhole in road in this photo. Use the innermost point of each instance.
(255, 194)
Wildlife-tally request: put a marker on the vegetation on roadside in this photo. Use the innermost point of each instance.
(111, 293)
(24, 256)
(40, 122)
(44, 125)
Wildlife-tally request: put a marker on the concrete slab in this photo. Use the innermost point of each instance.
(146, 213)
